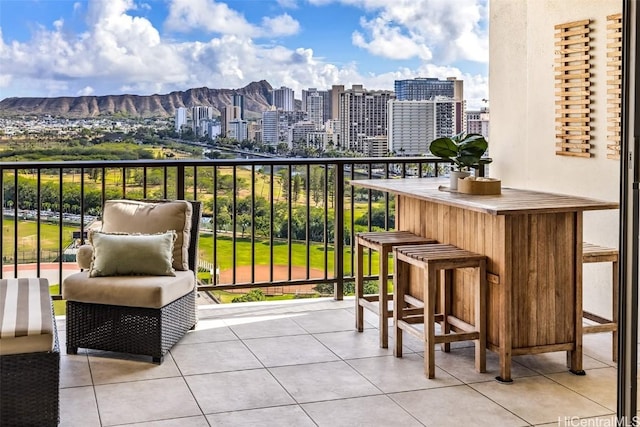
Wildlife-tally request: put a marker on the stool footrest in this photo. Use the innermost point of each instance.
(459, 323)
(374, 306)
(595, 318)
(604, 327)
(415, 302)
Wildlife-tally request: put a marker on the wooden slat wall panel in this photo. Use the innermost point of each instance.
(573, 129)
(614, 84)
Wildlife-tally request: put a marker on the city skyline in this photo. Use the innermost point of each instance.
(111, 47)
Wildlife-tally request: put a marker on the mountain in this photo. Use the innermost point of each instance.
(257, 96)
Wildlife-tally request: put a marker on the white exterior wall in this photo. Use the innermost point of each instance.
(412, 126)
(522, 131)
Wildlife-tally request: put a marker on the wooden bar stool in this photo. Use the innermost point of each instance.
(594, 253)
(408, 310)
(383, 242)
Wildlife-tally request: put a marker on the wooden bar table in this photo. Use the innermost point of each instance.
(533, 241)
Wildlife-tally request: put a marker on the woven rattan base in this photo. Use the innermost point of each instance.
(29, 388)
(133, 330)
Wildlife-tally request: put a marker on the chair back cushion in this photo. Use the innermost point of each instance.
(131, 216)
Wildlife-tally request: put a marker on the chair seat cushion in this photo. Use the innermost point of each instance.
(130, 291)
(26, 316)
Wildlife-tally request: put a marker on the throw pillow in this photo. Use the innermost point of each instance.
(116, 254)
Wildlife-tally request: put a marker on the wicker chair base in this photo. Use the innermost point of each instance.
(29, 388)
(133, 330)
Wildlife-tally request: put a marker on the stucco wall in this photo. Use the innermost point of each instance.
(522, 128)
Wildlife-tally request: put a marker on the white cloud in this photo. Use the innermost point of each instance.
(85, 91)
(448, 30)
(122, 53)
(389, 41)
(188, 15)
(283, 25)
(215, 17)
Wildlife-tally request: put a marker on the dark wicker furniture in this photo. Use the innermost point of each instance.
(135, 330)
(29, 388)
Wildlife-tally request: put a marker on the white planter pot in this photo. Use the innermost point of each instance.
(453, 178)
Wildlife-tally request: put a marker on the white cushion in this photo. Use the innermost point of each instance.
(26, 317)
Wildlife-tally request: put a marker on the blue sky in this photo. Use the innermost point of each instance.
(104, 47)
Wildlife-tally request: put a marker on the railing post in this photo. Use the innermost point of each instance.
(338, 233)
(180, 182)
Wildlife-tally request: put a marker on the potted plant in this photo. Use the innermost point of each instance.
(465, 151)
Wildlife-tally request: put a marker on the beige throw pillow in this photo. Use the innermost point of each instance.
(131, 216)
(132, 254)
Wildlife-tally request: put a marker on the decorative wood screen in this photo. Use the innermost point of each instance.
(614, 84)
(573, 90)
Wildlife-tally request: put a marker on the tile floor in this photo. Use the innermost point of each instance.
(301, 363)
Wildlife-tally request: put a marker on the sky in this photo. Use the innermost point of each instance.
(52, 48)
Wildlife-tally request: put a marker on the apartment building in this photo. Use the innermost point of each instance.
(363, 114)
(282, 99)
(414, 124)
(429, 88)
(199, 116)
(315, 103)
(180, 119)
(478, 122)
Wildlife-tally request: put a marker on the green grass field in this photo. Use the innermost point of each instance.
(27, 238)
(280, 254)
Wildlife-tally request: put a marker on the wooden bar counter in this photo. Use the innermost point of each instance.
(533, 241)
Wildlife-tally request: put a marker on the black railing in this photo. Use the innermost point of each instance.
(267, 223)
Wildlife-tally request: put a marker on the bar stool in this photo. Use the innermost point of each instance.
(408, 310)
(594, 253)
(383, 242)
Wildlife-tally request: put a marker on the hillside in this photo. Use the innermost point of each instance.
(257, 96)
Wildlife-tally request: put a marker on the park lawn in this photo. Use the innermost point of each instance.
(27, 233)
(280, 254)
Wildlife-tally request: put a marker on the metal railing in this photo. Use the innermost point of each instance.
(276, 223)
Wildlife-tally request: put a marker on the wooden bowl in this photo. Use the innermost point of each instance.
(468, 186)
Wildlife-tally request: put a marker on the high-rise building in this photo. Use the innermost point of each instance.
(254, 131)
(425, 88)
(313, 105)
(270, 134)
(335, 92)
(238, 130)
(227, 114)
(277, 123)
(414, 124)
(478, 122)
(283, 99)
(237, 100)
(363, 114)
(181, 118)
(198, 115)
(299, 131)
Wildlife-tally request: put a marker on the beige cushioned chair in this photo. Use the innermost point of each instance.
(137, 288)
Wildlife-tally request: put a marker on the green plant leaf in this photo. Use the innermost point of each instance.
(444, 148)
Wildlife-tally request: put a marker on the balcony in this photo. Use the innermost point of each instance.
(300, 363)
(297, 362)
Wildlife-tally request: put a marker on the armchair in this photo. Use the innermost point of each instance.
(133, 296)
